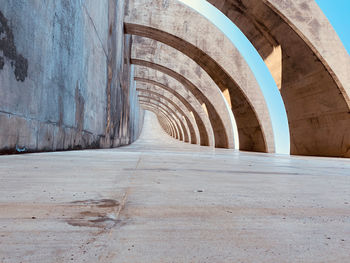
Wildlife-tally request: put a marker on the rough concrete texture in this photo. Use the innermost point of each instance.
(64, 81)
(170, 110)
(153, 91)
(310, 65)
(204, 88)
(164, 81)
(179, 26)
(165, 115)
(160, 200)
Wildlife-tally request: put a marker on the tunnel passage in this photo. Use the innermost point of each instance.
(173, 117)
(172, 109)
(247, 102)
(203, 129)
(220, 132)
(181, 109)
(64, 97)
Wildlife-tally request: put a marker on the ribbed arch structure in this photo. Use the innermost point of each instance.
(204, 127)
(182, 125)
(164, 116)
(205, 44)
(310, 66)
(177, 104)
(176, 119)
(294, 39)
(220, 127)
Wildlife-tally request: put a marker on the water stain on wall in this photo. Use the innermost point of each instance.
(9, 50)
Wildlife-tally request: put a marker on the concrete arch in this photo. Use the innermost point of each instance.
(178, 124)
(173, 118)
(179, 90)
(203, 128)
(183, 127)
(169, 122)
(162, 121)
(210, 49)
(310, 65)
(164, 125)
(154, 90)
(146, 49)
(171, 130)
(219, 130)
(178, 105)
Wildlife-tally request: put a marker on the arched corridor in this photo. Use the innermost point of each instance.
(139, 131)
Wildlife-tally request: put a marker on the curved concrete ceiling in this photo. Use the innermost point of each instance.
(143, 50)
(206, 45)
(308, 62)
(165, 118)
(177, 104)
(152, 98)
(179, 126)
(202, 128)
(163, 81)
(220, 130)
(162, 119)
(164, 124)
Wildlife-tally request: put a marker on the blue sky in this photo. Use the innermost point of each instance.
(337, 11)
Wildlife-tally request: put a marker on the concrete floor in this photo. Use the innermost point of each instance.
(160, 200)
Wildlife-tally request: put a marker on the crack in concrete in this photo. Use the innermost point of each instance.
(106, 257)
(95, 29)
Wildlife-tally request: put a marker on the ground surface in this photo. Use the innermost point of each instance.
(159, 200)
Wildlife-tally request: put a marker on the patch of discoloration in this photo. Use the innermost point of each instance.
(165, 3)
(315, 27)
(97, 213)
(104, 203)
(304, 6)
(79, 110)
(102, 220)
(7, 46)
(2, 63)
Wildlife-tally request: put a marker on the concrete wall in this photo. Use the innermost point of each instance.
(64, 82)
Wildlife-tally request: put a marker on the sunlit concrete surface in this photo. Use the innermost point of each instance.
(160, 200)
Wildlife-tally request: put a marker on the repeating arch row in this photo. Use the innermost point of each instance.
(199, 57)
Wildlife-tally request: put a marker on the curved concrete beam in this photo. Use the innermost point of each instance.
(309, 64)
(209, 48)
(167, 120)
(167, 124)
(178, 105)
(173, 119)
(184, 134)
(219, 129)
(161, 54)
(203, 125)
(163, 123)
(162, 120)
(178, 124)
(198, 109)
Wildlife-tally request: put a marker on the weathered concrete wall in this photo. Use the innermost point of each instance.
(64, 82)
